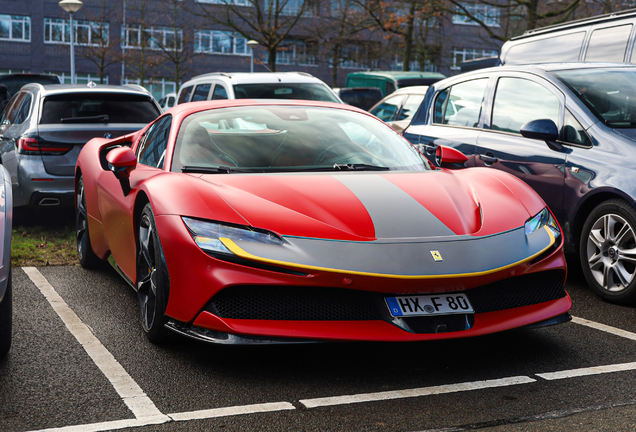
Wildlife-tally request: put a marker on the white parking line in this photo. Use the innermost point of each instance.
(595, 370)
(131, 394)
(425, 391)
(230, 411)
(605, 328)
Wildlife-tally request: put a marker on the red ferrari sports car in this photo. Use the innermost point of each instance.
(248, 221)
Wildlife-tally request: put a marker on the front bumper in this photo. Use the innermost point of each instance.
(196, 278)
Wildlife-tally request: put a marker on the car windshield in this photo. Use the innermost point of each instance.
(609, 93)
(98, 108)
(290, 138)
(317, 92)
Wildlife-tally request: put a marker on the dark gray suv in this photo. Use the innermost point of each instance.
(44, 128)
(569, 131)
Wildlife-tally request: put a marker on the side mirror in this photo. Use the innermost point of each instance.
(544, 130)
(121, 161)
(449, 157)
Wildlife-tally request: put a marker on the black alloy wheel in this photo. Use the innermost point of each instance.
(153, 283)
(85, 254)
(608, 251)
(6, 315)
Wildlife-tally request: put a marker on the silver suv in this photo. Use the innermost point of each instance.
(44, 128)
(260, 85)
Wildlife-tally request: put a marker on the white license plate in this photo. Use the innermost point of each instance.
(441, 304)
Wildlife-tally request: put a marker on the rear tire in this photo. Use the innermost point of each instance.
(608, 251)
(85, 254)
(6, 315)
(153, 283)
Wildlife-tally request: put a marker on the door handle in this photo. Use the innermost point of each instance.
(488, 158)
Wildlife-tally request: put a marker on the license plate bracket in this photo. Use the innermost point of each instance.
(427, 305)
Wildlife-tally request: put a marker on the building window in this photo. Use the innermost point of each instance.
(297, 54)
(79, 77)
(355, 57)
(56, 30)
(220, 42)
(154, 38)
(293, 7)
(398, 65)
(226, 2)
(462, 55)
(15, 27)
(487, 14)
(159, 87)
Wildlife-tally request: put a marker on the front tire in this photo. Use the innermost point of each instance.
(153, 283)
(608, 251)
(85, 254)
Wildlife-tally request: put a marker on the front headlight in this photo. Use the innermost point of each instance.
(207, 234)
(541, 219)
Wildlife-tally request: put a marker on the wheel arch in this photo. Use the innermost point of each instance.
(586, 208)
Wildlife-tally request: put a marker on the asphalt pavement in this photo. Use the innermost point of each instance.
(81, 362)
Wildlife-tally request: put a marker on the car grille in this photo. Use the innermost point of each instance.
(335, 304)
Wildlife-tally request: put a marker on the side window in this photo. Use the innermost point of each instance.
(201, 92)
(386, 111)
(12, 110)
(185, 93)
(219, 92)
(564, 48)
(608, 44)
(518, 101)
(440, 104)
(573, 132)
(464, 103)
(410, 107)
(390, 88)
(24, 110)
(153, 150)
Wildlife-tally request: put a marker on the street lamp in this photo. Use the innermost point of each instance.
(252, 44)
(71, 6)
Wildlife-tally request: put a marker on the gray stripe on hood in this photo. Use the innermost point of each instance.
(395, 213)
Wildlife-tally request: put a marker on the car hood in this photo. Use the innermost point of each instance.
(370, 205)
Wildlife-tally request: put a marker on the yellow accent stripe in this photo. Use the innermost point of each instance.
(236, 250)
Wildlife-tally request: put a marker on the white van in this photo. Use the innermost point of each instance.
(259, 85)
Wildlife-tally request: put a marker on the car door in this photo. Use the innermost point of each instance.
(116, 209)
(455, 119)
(519, 99)
(13, 125)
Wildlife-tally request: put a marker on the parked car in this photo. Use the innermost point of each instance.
(168, 101)
(389, 81)
(569, 131)
(6, 299)
(45, 126)
(398, 108)
(14, 82)
(259, 221)
(603, 38)
(360, 97)
(259, 85)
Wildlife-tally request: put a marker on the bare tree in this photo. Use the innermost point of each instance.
(140, 38)
(269, 22)
(177, 48)
(100, 47)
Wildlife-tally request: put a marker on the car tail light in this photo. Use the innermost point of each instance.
(31, 145)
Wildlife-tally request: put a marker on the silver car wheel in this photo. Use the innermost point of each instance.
(611, 252)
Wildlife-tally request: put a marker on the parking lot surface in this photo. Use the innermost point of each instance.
(81, 362)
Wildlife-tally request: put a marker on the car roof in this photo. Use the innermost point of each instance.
(410, 90)
(257, 77)
(51, 89)
(398, 74)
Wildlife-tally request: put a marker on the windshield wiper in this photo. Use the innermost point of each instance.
(359, 167)
(215, 170)
(92, 119)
